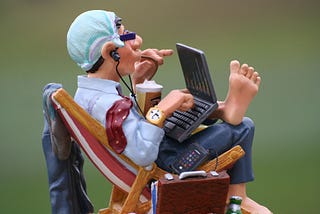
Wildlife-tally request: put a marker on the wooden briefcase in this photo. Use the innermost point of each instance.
(195, 195)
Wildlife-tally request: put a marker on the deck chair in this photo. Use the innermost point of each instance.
(129, 193)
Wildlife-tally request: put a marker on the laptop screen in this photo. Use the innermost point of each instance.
(196, 72)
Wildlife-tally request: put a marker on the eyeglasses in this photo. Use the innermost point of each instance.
(127, 35)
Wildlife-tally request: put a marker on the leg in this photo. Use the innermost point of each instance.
(226, 137)
(223, 136)
(244, 84)
(217, 138)
(67, 186)
(220, 138)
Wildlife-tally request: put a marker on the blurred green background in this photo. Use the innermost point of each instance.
(279, 38)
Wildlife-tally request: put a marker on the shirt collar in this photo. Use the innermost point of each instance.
(104, 85)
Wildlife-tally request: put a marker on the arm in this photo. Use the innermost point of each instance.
(175, 100)
(142, 139)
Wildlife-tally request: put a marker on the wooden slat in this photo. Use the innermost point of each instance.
(225, 160)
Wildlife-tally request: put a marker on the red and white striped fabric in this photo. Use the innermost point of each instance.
(114, 169)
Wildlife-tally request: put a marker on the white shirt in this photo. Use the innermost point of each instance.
(96, 96)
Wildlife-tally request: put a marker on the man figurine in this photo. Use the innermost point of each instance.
(107, 52)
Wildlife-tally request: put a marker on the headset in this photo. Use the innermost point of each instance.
(124, 37)
(115, 55)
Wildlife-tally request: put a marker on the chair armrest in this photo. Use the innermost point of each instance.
(225, 160)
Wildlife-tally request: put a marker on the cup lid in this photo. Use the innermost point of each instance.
(149, 86)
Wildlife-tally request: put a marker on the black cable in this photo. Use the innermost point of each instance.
(217, 157)
(130, 88)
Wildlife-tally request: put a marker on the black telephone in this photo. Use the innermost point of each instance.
(189, 160)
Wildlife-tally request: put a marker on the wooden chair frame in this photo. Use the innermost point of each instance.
(123, 199)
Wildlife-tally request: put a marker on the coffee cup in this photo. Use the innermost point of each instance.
(148, 95)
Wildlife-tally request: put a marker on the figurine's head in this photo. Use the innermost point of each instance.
(88, 33)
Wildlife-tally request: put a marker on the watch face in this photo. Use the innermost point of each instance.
(155, 114)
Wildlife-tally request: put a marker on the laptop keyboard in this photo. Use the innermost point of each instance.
(185, 119)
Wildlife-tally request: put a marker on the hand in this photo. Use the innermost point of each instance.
(157, 55)
(148, 65)
(176, 100)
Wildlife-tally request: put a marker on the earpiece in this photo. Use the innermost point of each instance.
(115, 55)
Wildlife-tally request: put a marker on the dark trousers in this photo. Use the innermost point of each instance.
(217, 138)
(67, 186)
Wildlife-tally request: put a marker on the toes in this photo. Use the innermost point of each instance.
(244, 69)
(258, 81)
(256, 78)
(234, 66)
(250, 72)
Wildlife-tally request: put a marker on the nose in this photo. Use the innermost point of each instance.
(137, 42)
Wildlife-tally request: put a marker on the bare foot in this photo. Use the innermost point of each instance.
(244, 84)
(253, 207)
(247, 204)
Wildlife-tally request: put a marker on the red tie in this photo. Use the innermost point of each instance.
(114, 120)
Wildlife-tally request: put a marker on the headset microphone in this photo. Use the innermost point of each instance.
(115, 55)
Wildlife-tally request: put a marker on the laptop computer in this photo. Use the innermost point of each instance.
(198, 81)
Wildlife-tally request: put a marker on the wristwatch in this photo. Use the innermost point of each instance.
(156, 116)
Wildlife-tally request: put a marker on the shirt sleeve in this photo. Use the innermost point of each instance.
(143, 138)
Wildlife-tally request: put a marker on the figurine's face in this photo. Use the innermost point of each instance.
(129, 54)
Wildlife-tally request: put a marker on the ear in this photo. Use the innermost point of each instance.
(106, 49)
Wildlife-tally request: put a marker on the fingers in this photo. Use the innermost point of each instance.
(166, 52)
(145, 70)
(176, 100)
(148, 65)
(186, 100)
(185, 90)
(157, 55)
(187, 103)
